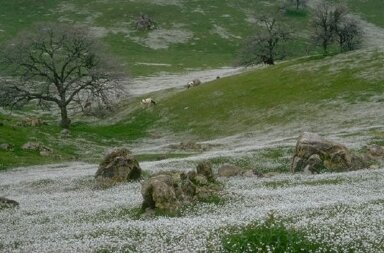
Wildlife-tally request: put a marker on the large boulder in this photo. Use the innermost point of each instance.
(170, 191)
(119, 165)
(7, 203)
(204, 168)
(314, 154)
(167, 192)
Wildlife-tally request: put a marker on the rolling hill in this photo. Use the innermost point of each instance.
(310, 93)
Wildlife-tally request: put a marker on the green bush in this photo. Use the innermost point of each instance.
(270, 236)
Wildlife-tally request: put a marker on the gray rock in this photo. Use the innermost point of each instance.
(64, 133)
(170, 191)
(159, 192)
(119, 165)
(35, 146)
(205, 169)
(314, 154)
(5, 146)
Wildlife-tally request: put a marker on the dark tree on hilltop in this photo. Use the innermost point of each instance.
(323, 25)
(333, 23)
(298, 3)
(349, 34)
(266, 45)
(57, 64)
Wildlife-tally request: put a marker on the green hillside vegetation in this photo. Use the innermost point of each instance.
(191, 34)
(278, 95)
(297, 91)
(371, 10)
(195, 34)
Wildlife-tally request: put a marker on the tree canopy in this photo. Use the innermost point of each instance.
(57, 64)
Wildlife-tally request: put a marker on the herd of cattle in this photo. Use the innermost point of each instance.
(149, 101)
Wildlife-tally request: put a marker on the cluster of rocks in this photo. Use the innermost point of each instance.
(165, 191)
(29, 146)
(36, 146)
(315, 154)
(168, 192)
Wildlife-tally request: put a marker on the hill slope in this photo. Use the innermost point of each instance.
(335, 94)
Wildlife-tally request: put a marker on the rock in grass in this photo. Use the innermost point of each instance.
(205, 169)
(8, 203)
(169, 191)
(160, 192)
(119, 165)
(314, 154)
(228, 170)
(5, 146)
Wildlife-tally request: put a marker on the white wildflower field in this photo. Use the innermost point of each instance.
(62, 211)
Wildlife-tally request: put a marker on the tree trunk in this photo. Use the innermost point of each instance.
(65, 121)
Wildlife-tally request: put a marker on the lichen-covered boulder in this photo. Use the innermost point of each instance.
(204, 168)
(170, 191)
(159, 192)
(315, 154)
(119, 165)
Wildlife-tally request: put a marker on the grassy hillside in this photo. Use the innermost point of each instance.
(371, 10)
(190, 34)
(296, 91)
(197, 34)
(308, 92)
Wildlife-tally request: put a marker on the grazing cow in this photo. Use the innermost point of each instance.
(193, 83)
(148, 101)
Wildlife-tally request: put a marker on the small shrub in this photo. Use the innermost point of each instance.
(270, 236)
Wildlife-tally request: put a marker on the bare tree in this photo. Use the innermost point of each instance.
(334, 23)
(265, 45)
(323, 24)
(349, 34)
(299, 3)
(57, 64)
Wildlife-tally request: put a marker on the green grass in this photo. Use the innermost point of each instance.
(270, 236)
(273, 96)
(205, 48)
(84, 138)
(371, 10)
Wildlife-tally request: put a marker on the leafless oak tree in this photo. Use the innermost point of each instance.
(57, 64)
(298, 3)
(334, 23)
(349, 34)
(264, 46)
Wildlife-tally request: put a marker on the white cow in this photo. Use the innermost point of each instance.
(193, 83)
(148, 101)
